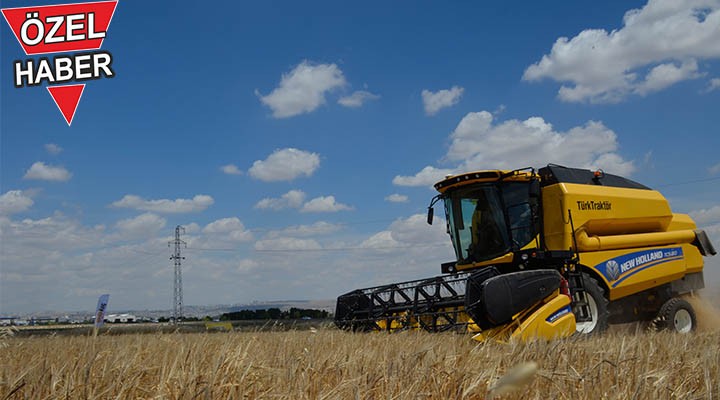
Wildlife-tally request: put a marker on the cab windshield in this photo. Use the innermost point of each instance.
(487, 221)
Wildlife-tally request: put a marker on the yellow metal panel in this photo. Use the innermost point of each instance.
(556, 224)
(606, 210)
(550, 319)
(504, 259)
(601, 211)
(680, 222)
(693, 259)
(633, 240)
(630, 271)
(221, 326)
(625, 225)
(553, 320)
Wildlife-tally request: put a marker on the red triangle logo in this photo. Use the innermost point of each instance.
(67, 98)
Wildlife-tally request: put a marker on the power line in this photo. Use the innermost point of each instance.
(688, 182)
(323, 249)
(146, 252)
(351, 223)
(349, 248)
(212, 249)
(145, 259)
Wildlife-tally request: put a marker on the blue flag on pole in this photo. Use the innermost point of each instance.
(100, 311)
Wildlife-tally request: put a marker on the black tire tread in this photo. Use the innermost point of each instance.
(593, 288)
(665, 317)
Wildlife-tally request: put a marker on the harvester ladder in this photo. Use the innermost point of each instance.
(577, 292)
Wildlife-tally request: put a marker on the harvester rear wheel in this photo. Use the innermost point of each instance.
(676, 315)
(597, 308)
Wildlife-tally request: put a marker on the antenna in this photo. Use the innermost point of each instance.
(177, 289)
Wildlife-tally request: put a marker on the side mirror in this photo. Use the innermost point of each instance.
(431, 213)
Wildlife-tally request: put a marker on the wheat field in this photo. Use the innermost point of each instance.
(332, 364)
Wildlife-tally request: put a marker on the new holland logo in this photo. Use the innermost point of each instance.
(622, 267)
(612, 269)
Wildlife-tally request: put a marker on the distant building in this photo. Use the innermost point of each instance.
(8, 321)
(120, 318)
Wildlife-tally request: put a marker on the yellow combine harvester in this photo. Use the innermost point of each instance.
(546, 254)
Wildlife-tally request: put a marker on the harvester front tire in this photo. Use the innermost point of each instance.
(598, 304)
(676, 315)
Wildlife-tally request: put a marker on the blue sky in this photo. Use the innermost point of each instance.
(354, 101)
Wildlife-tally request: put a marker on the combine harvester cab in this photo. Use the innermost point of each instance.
(545, 255)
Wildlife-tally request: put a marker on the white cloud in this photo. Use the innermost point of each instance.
(192, 227)
(706, 216)
(714, 170)
(303, 89)
(247, 265)
(324, 204)
(32, 237)
(53, 148)
(409, 232)
(647, 159)
(357, 98)
(428, 176)
(42, 171)
(296, 199)
(415, 230)
(286, 244)
(231, 169)
(382, 240)
(436, 101)
(59, 261)
(480, 143)
(316, 229)
(229, 228)
(291, 199)
(198, 203)
(14, 201)
(224, 225)
(714, 84)
(600, 66)
(144, 225)
(407, 249)
(665, 75)
(285, 165)
(397, 198)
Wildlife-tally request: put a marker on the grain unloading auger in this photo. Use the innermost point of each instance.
(546, 254)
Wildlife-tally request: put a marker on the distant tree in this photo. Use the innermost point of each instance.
(273, 313)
